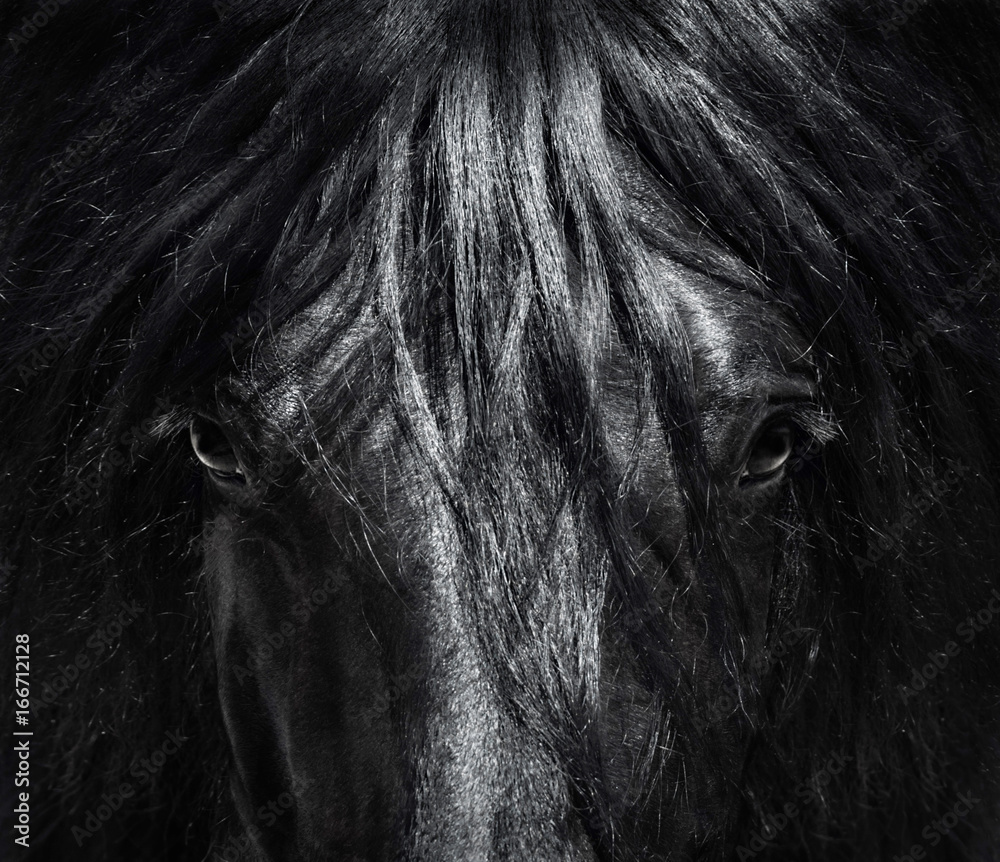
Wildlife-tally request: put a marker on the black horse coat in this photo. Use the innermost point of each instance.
(500, 430)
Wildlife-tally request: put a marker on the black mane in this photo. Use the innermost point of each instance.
(444, 176)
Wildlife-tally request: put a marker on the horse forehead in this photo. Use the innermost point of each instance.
(743, 346)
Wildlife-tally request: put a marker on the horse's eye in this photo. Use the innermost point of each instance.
(771, 452)
(214, 450)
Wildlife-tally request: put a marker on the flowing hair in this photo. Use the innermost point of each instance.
(473, 190)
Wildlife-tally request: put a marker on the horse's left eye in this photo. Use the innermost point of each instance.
(771, 452)
(215, 451)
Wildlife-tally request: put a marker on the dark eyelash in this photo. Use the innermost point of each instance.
(814, 422)
(813, 428)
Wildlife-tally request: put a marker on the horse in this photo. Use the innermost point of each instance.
(509, 430)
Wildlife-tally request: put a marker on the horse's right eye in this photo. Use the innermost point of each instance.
(215, 451)
(771, 452)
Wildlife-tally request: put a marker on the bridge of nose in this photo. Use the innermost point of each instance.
(482, 787)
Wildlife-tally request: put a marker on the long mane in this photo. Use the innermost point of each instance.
(473, 189)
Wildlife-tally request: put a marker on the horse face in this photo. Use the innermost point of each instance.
(363, 707)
